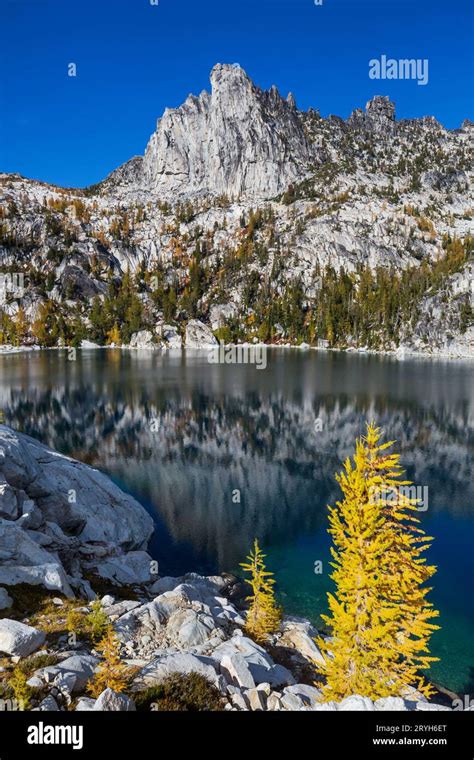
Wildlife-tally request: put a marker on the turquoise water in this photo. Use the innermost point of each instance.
(183, 435)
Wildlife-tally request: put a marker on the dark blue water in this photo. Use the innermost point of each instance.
(182, 435)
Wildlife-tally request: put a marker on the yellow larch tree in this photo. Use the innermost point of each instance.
(112, 672)
(264, 615)
(113, 336)
(379, 616)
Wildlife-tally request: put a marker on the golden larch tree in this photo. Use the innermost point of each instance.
(379, 615)
(264, 615)
(113, 336)
(112, 672)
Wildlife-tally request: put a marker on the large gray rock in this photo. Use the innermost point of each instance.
(239, 701)
(256, 699)
(65, 683)
(292, 702)
(117, 610)
(69, 511)
(325, 707)
(48, 704)
(236, 671)
(278, 676)
(356, 703)
(170, 335)
(390, 704)
(51, 576)
(188, 616)
(31, 517)
(128, 569)
(85, 704)
(20, 547)
(142, 339)
(199, 335)
(79, 499)
(431, 707)
(35, 682)
(151, 616)
(164, 584)
(309, 695)
(113, 701)
(259, 662)
(299, 634)
(274, 702)
(193, 630)
(81, 666)
(18, 639)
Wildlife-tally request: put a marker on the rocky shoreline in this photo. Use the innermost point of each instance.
(70, 537)
(205, 340)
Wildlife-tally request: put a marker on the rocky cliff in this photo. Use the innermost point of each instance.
(60, 520)
(238, 141)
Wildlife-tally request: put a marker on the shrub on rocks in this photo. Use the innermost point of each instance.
(22, 693)
(98, 622)
(94, 625)
(36, 661)
(190, 692)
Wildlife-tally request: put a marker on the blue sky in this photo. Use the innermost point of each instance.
(133, 59)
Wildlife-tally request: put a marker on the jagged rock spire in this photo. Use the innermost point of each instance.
(379, 116)
(381, 107)
(238, 140)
